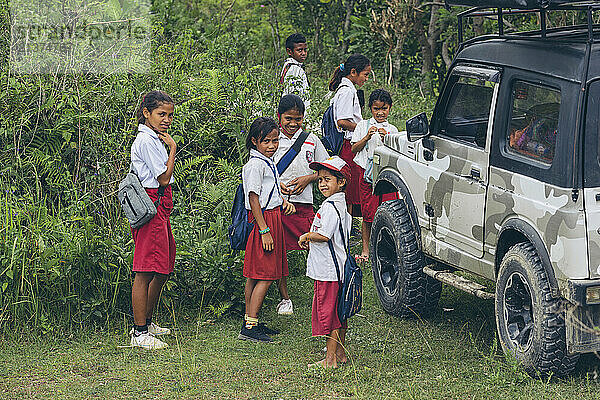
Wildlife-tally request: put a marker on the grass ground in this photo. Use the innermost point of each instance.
(452, 355)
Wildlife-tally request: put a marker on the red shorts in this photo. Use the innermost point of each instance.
(266, 265)
(324, 308)
(154, 243)
(297, 224)
(352, 189)
(368, 201)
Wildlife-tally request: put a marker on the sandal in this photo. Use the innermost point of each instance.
(359, 258)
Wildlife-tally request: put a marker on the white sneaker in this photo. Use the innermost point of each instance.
(285, 307)
(147, 341)
(156, 330)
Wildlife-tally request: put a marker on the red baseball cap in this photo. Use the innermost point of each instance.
(334, 163)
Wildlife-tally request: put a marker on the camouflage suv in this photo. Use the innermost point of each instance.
(504, 183)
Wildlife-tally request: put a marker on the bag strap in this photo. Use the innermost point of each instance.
(274, 186)
(367, 144)
(284, 72)
(161, 189)
(330, 243)
(292, 152)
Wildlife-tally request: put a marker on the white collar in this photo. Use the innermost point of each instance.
(383, 124)
(337, 197)
(292, 60)
(347, 82)
(294, 136)
(258, 154)
(146, 129)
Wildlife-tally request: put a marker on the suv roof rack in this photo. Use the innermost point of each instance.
(501, 8)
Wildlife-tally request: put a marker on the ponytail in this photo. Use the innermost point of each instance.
(356, 62)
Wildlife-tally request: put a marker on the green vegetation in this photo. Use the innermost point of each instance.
(452, 355)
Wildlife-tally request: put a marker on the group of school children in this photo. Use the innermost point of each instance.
(284, 161)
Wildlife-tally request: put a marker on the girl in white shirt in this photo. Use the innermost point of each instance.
(367, 136)
(154, 251)
(347, 112)
(265, 257)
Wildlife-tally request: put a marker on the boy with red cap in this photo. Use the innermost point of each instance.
(333, 177)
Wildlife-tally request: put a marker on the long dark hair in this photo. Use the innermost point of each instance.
(151, 101)
(259, 129)
(357, 62)
(290, 102)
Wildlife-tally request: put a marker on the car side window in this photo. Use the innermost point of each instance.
(533, 126)
(468, 110)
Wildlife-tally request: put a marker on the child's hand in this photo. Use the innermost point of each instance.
(267, 241)
(300, 183)
(303, 241)
(382, 132)
(284, 189)
(288, 208)
(372, 130)
(165, 137)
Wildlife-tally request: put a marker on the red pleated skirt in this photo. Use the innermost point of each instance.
(154, 249)
(266, 265)
(324, 318)
(368, 201)
(353, 189)
(297, 224)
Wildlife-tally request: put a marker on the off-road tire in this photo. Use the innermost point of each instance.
(526, 309)
(403, 288)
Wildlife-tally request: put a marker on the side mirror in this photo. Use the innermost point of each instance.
(417, 127)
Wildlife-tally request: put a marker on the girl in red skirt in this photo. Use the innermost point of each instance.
(334, 174)
(347, 112)
(265, 259)
(367, 136)
(154, 253)
(296, 179)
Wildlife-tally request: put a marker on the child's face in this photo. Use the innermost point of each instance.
(380, 110)
(268, 146)
(359, 78)
(328, 183)
(291, 121)
(299, 52)
(160, 118)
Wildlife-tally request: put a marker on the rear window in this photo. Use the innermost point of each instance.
(533, 124)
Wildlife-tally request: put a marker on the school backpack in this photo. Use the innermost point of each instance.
(240, 228)
(135, 202)
(332, 138)
(350, 289)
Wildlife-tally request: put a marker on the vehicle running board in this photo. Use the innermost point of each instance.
(459, 282)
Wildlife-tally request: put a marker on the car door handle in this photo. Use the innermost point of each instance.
(476, 174)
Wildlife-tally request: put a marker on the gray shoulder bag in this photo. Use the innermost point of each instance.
(136, 204)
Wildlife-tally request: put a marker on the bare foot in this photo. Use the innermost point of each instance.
(323, 364)
(341, 357)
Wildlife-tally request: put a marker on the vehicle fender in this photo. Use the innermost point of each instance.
(530, 234)
(389, 181)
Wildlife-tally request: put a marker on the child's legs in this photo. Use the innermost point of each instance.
(139, 296)
(154, 289)
(341, 349)
(250, 283)
(366, 234)
(257, 297)
(332, 345)
(283, 290)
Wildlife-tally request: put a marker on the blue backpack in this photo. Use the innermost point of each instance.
(350, 291)
(332, 138)
(240, 228)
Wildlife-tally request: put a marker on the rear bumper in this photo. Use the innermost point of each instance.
(582, 320)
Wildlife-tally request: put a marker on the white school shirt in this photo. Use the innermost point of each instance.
(296, 81)
(362, 157)
(261, 177)
(346, 105)
(319, 264)
(311, 150)
(149, 157)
